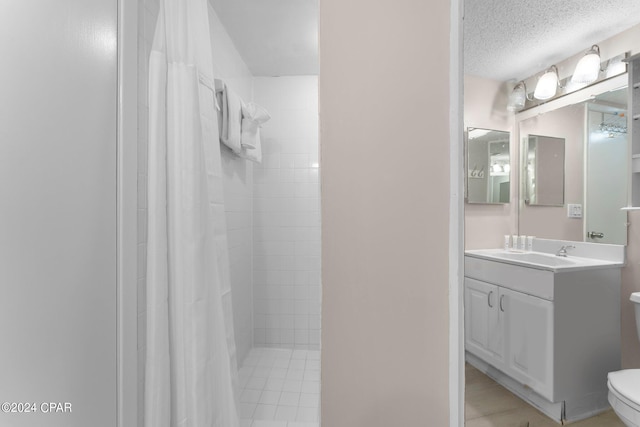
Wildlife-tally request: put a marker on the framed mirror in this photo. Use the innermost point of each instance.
(544, 170)
(596, 172)
(488, 166)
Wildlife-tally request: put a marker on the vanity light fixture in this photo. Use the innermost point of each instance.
(548, 84)
(518, 97)
(615, 66)
(588, 68)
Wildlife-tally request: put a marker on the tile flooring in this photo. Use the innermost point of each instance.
(280, 388)
(488, 404)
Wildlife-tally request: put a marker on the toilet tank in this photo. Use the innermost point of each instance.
(635, 299)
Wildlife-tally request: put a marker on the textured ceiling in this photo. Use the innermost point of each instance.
(513, 39)
(274, 37)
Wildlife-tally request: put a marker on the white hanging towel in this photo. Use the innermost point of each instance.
(253, 116)
(253, 154)
(230, 131)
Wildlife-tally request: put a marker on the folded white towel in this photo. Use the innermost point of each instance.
(253, 154)
(231, 120)
(253, 116)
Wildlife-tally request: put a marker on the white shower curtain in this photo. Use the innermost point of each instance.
(191, 366)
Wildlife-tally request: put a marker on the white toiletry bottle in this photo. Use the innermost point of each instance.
(530, 243)
(522, 243)
(514, 242)
(507, 242)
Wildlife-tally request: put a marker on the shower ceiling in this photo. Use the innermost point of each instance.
(274, 37)
(513, 39)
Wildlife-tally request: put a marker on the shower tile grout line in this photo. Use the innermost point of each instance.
(280, 388)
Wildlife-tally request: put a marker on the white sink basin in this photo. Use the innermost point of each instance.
(541, 260)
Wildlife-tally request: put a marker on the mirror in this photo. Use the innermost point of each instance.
(576, 193)
(544, 170)
(488, 166)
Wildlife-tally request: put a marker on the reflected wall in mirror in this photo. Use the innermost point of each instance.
(595, 172)
(606, 177)
(488, 166)
(544, 170)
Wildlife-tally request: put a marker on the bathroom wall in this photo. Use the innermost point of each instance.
(286, 267)
(229, 66)
(384, 109)
(485, 104)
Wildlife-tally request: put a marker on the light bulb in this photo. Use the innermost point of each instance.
(547, 85)
(615, 67)
(517, 97)
(588, 67)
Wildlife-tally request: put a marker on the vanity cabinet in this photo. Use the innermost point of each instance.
(529, 339)
(484, 328)
(511, 331)
(550, 335)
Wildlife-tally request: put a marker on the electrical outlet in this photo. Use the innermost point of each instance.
(574, 210)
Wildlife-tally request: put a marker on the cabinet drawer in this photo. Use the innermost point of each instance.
(530, 281)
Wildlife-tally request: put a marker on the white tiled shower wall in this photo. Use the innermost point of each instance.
(238, 190)
(286, 260)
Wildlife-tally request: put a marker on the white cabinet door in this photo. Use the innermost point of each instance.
(528, 322)
(483, 331)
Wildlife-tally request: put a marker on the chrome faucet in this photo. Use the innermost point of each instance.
(563, 250)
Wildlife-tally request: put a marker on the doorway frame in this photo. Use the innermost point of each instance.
(456, 211)
(126, 212)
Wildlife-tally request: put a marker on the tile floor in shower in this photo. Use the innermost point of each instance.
(280, 388)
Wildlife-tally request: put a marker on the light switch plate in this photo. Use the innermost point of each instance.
(574, 210)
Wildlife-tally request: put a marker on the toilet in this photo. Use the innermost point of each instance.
(624, 386)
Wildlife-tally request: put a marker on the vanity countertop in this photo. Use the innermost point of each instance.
(543, 260)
